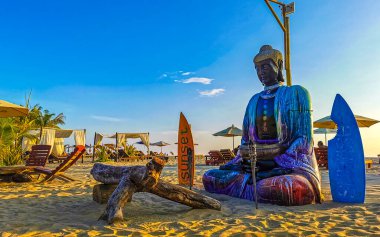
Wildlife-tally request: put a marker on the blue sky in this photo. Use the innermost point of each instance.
(133, 66)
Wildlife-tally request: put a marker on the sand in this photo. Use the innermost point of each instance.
(57, 208)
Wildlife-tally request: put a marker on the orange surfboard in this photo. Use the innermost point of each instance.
(186, 154)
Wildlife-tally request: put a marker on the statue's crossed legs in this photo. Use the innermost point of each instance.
(288, 190)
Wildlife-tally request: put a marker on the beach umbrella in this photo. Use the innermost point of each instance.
(324, 131)
(327, 122)
(11, 110)
(230, 132)
(160, 144)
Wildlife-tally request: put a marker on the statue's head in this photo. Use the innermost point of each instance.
(268, 64)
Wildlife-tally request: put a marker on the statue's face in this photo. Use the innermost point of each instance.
(267, 72)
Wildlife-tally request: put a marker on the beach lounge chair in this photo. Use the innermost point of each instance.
(128, 158)
(38, 156)
(143, 156)
(124, 157)
(321, 155)
(59, 171)
(214, 157)
(53, 157)
(36, 159)
(227, 154)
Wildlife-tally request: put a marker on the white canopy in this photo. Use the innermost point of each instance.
(80, 137)
(55, 138)
(63, 133)
(27, 143)
(48, 138)
(122, 137)
(58, 148)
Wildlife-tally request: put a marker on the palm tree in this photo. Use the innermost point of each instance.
(13, 130)
(47, 119)
(6, 132)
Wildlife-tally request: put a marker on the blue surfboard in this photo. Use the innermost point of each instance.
(346, 156)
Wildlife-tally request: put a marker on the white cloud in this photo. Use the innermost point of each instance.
(175, 74)
(202, 80)
(106, 118)
(165, 75)
(212, 93)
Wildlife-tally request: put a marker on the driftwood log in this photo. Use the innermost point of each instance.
(131, 179)
(16, 174)
(102, 192)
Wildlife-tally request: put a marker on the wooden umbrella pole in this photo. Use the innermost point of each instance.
(93, 149)
(117, 150)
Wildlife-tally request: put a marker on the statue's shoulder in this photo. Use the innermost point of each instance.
(297, 88)
(300, 90)
(302, 94)
(254, 98)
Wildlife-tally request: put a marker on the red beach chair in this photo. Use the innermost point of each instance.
(214, 158)
(38, 156)
(321, 155)
(58, 172)
(227, 154)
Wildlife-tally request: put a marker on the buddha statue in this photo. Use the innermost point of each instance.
(278, 122)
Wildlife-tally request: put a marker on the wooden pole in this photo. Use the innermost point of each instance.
(285, 28)
(287, 52)
(84, 143)
(117, 150)
(93, 149)
(148, 146)
(274, 13)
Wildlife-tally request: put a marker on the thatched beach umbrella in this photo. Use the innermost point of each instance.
(160, 144)
(327, 122)
(11, 110)
(230, 132)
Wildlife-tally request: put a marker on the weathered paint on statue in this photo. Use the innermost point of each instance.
(278, 121)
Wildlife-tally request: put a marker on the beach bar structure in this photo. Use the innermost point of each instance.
(121, 138)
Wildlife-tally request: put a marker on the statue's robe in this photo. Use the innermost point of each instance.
(292, 112)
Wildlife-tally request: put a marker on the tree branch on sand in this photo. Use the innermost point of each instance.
(131, 179)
